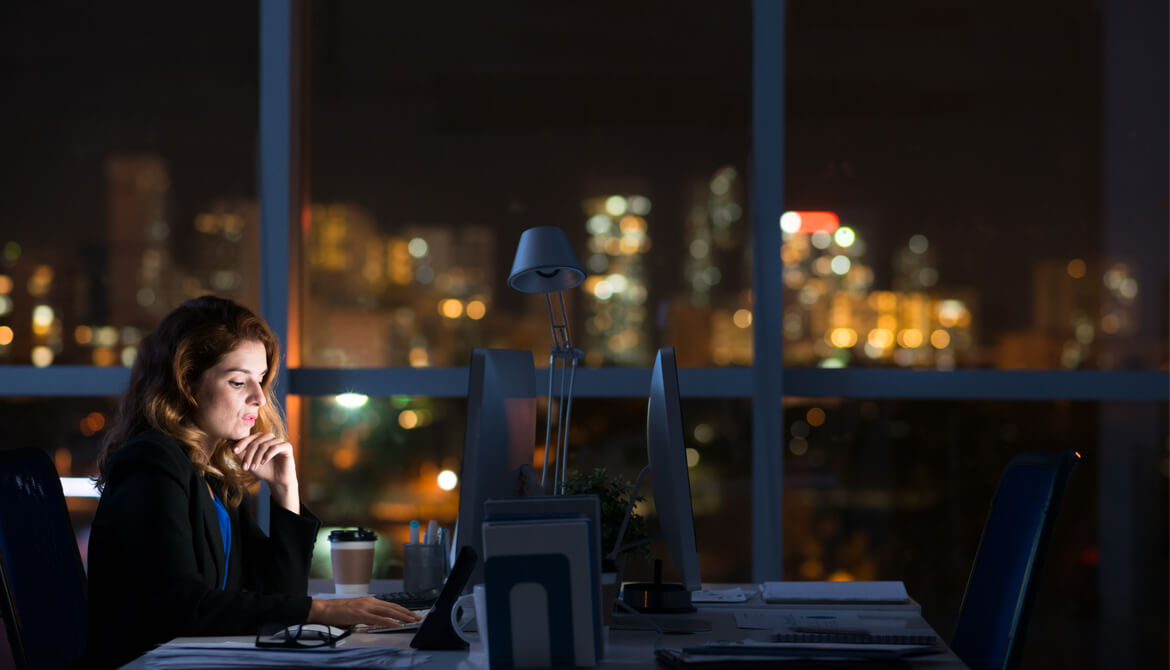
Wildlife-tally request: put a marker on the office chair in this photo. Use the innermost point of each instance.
(989, 634)
(42, 581)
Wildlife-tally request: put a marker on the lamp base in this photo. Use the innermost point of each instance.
(658, 598)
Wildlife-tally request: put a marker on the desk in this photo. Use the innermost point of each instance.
(634, 650)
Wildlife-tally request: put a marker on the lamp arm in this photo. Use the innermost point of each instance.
(547, 426)
(562, 350)
(567, 403)
(568, 340)
(617, 545)
(552, 321)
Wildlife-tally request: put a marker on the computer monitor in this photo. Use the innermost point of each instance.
(667, 454)
(501, 438)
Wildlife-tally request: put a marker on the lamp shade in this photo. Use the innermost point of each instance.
(545, 262)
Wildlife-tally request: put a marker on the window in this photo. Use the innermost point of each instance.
(900, 489)
(129, 137)
(603, 120)
(959, 154)
(382, 462)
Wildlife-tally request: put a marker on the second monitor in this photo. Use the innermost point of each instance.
(666, 451)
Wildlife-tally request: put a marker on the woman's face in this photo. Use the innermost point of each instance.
(229, 394)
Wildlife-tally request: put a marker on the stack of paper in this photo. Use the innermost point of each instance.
(539, 534)
(835, 592)
(239, 654)
(732, 595)
(769, 654)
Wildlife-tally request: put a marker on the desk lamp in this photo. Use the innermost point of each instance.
(545, 263)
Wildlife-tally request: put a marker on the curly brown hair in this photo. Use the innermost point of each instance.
(161, 396)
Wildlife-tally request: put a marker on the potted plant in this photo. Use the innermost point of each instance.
(613, 491)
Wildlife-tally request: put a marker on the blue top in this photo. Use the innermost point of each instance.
(225, 530)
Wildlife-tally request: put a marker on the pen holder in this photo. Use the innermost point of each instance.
(422, 566)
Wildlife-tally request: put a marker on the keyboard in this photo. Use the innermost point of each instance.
(411, 600)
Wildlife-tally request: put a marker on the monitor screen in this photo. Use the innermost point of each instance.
(501, 434)
(668, 469)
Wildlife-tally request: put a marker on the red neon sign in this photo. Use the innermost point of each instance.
(818, 222)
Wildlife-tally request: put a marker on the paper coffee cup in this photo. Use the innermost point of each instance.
(351, 554)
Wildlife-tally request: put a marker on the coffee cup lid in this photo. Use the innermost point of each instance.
(351, 535)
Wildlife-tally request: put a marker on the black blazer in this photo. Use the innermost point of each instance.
(156, 558)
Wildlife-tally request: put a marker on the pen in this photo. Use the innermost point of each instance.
(430, 538)
(441, 538)
(414, 532)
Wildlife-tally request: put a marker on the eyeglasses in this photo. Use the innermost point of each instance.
(306, 635)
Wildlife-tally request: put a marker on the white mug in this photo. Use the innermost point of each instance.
(478, 614)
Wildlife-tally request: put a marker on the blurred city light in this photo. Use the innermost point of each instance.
(417, 247)
(840, 265)
(940, 339)
(408, 419)
(844, 237)
(742, 318)
(42, 356)
(351, 400)
(476, 310)
(639, 204)
(615, 205)
(448, 480)
(451, 308)
(815, 416)
(919, 244)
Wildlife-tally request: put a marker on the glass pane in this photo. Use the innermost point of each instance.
(70, 431)
(129, 136)
(381, 465)
(901, 490)
(603, 119)
(376, 463)
(986, 212)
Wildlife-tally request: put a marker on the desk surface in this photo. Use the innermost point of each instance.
(635, 649)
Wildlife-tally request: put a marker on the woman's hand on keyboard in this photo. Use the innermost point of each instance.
(368, 610)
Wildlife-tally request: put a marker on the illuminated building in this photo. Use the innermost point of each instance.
(142, 283)
(39, 298)
(711, 318)
(616, 290)
(418, 297)
(833, 318)
(342, 238)
(915, 268)
(224, 253)
(1076, 307)
(454, 271)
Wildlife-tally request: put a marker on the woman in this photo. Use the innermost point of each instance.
(174, 550)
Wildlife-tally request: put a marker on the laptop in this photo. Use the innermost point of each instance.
(434, 631)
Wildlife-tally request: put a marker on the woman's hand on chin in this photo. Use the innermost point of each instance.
(270, 458)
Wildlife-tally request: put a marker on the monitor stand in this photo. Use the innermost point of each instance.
(656, 597)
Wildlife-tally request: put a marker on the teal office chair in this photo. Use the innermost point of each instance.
(989, 634)
(42, 581)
